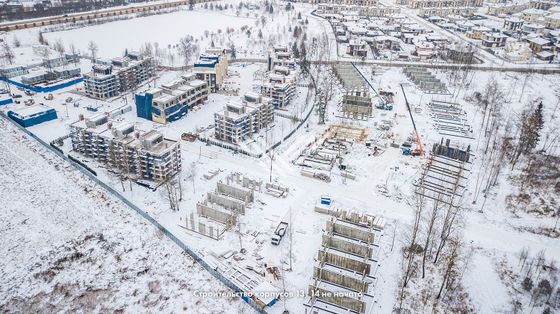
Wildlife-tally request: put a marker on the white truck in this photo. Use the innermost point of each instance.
(279, 233)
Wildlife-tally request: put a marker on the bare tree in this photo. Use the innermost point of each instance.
(429, 230)
(186, 49)
(93, 48)
(450, 268)
(7, 53)
(74, 53)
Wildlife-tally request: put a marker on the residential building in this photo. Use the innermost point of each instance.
(506, 8)
(239, 121)
(552, 21)
(494, 39)
(139, 155)
(280, 86)
(212, 67)
(111, 78)
(172, 100)
(539, 44)
(357, 48)
(513, 23)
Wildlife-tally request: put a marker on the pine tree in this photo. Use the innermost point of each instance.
(295, 50)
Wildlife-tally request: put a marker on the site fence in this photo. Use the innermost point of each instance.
(46, 89)
(213, 271)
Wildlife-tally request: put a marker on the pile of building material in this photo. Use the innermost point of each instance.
(345, 273)
(276, 190)
(425, 80)
(450, 119)
(220, 209)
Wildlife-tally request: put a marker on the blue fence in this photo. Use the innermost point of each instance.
(47, 89)
(6, 101)
(149, 218)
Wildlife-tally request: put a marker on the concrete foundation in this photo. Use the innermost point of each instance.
(338, 278)
(350, 231)
(326, 257)
(216, 214)
(226, 202)
(239, 193)
(348, 246)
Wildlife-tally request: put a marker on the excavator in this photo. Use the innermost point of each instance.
(406, 147)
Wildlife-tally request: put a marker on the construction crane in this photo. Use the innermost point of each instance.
(382, 103)
(419, 150)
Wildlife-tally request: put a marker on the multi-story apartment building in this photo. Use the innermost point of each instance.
(239, 121)
(111, 78)
(212, 67)
(280, 86)
(172, 100)
(136, 154)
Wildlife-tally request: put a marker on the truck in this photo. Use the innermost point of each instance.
(279, 233)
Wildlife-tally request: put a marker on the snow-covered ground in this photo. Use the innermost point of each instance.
(55, 214)
(69, 246)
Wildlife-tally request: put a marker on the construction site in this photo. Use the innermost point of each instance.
(327, 153)
(345, 273)
(356, 101)
(425, 80)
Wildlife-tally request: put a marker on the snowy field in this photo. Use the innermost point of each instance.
(251, 32)
(68, 246)
(62, 223)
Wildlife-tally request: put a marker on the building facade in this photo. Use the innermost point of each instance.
(111, 78)
(139, 155)
(172, 100)
(212, 67)
(239, 121)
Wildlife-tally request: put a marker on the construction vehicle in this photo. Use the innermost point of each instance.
(382, 103)
(407, 147)
(279, 233)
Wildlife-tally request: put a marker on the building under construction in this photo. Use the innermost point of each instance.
(345, 274)
(356, 101)
(239, 121)
(137, 154)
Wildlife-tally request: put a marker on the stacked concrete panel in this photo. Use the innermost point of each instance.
(343, 277)
(425, 80)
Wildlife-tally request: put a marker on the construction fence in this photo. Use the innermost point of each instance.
(149, 218)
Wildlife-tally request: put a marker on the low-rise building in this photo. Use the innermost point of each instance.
(135, 154)
(539, 44)
(494, 39)
(240, 120)
(357, 48)
(212, 67)
(552, 21)
(513, 23)
(172, 100)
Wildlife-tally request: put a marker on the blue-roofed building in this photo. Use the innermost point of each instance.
(211, 67)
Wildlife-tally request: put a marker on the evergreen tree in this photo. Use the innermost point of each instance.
(295, 50)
